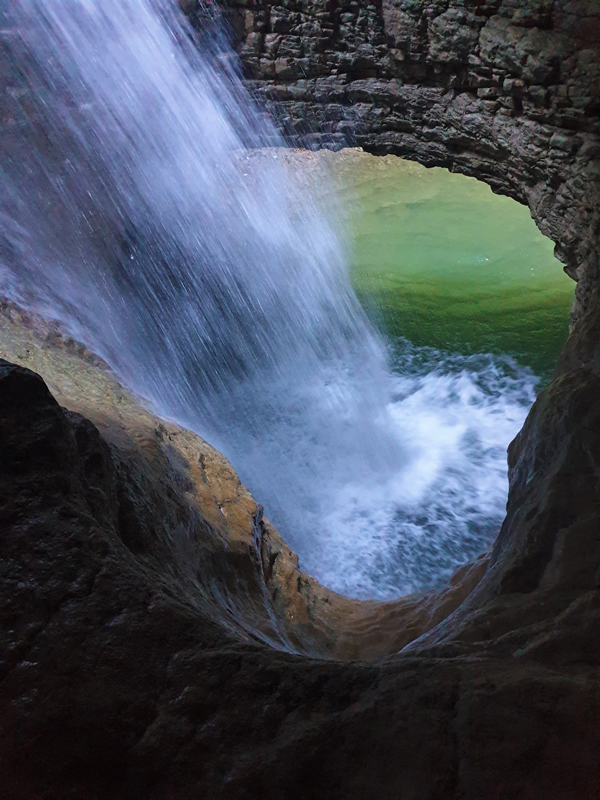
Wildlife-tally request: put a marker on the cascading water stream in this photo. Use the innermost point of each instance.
(139, 208)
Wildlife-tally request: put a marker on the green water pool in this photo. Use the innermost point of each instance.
(439, 259)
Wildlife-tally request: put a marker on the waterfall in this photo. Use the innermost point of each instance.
(146, 205)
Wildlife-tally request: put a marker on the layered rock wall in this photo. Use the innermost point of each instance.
(507, 91)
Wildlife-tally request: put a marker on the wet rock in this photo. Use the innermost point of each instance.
(171, 500)
(160, 640)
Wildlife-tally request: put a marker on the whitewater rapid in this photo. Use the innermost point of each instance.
(219, 293)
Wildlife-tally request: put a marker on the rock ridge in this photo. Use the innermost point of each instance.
(159, 640)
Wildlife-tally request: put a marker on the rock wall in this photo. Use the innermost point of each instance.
(177, 504)
(158, 640)
(507, 91)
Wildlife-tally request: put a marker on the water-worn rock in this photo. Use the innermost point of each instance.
(174, 500)
(159, 640)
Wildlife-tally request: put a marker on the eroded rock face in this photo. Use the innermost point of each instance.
(507, 91)
(177, 505)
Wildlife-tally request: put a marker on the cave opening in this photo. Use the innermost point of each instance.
(187, 257)
(442, 261)
(475, 309)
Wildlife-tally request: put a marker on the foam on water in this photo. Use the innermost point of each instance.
(410, 530)
(368, 530)
(137, 211)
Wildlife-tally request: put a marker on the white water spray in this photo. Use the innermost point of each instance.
(137, 210)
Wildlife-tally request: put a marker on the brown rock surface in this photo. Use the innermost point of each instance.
(212, 530)
(159, 641)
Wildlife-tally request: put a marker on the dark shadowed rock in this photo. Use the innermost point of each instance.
(159, 640)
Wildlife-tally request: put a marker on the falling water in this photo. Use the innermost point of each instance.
(140, 209)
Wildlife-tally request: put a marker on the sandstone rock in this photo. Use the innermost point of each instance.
(233, 551)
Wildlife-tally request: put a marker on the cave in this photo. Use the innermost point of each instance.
(159, 638)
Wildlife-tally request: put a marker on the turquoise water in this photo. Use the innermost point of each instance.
(441, 260)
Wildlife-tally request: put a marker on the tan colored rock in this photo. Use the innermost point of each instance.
(261, 577)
